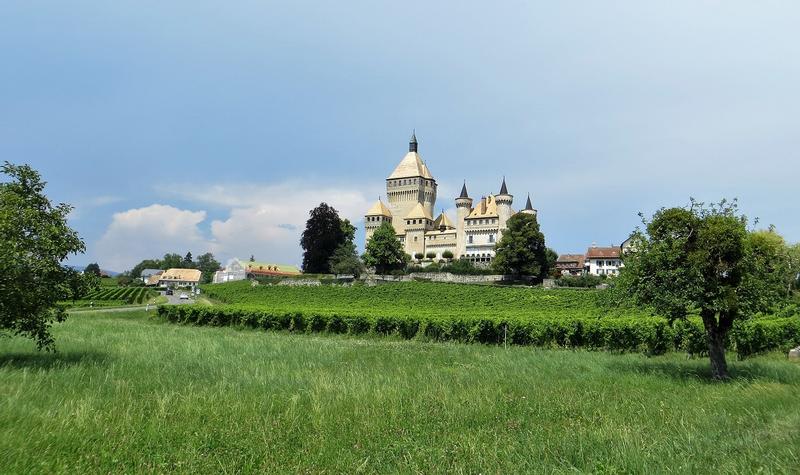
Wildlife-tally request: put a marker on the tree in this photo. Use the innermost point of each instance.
(551, 256)
(188, 261)
(521, 250)
(324, 233)
(34, 241)
(171, 261)
(345, 260)
(207, 265)
(430, 255)
(384, 251)
(702, 259)
(136, 272)
(447, 255)
(92, 268)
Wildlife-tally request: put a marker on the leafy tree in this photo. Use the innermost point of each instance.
(345, 260)
(34, 241)
(521, 250)
(551, 256)
(447, 255)
(136, 272)
(207, 265)
(171, 261)
(384, 251)
(92, 268)
(430, 255)
(418, 255)
(348, 230)
(702, 259)
(188, 261)
(324, 233)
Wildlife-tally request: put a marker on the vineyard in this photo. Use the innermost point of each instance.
(464, 313)
(114, 297)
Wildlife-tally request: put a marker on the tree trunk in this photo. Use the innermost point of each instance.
(715, 336)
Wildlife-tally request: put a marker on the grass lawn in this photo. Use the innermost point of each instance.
(129, 394)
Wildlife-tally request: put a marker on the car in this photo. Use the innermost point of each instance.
(168, 292)
(184, 297)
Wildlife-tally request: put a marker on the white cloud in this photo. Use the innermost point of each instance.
(265, 221)
(148, 232)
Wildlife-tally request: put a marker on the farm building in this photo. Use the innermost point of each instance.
(570, 264)
(603, 260)
(180, 278)
(237, 269)
(147, 274)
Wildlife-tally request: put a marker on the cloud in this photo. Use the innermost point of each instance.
(148, 232)
(265, 221)
(268, 221)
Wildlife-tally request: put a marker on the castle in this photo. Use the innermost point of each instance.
(411, 198)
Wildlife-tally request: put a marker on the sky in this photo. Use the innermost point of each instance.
(216, 126)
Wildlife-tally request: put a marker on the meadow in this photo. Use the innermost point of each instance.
(127, 392)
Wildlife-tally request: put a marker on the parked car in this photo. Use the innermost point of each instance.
(184, 297)
(168, 292)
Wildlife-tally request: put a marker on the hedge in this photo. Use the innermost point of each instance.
(652, 335)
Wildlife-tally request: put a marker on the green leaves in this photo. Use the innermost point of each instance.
(521, 250)
(34, 240)
(384, 251)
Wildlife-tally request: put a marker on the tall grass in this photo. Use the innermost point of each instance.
(127, 394)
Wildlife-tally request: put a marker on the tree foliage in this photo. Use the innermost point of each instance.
(34, 241)
(521, 250)
(702, 259)
(345, 260)
(92, 268)
(324, 233)
(207, 266)
(384, 251)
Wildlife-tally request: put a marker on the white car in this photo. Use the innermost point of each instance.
(184, 297)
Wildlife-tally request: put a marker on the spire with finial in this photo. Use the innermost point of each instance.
(412, 145)
(528, 205)
(464, 190)
(503, 189)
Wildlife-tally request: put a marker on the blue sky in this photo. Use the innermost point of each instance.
(176, 126)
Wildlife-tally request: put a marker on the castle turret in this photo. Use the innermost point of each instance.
(464, 208)
(376, 216)
(529, 207)
(504, 211)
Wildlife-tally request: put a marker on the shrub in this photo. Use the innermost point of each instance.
(447, 255)
(430, 255)
(418, 255)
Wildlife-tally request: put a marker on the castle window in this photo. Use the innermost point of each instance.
(469, 239)
(415, 238)
(491, 238)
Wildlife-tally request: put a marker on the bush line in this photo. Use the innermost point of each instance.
(652, 335)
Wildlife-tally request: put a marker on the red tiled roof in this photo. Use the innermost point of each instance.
(603, 252)
(577, 259)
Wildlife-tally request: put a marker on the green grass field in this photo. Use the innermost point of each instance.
(130, 394)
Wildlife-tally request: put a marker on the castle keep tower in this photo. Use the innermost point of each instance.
(410, 183)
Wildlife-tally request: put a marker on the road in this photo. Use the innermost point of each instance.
(171, 300)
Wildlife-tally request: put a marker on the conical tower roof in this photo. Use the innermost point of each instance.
(442, 221)
(379, 209)
(528, 205)
(503, 189)
(418, 212)
(464, 190)
(411, 166)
